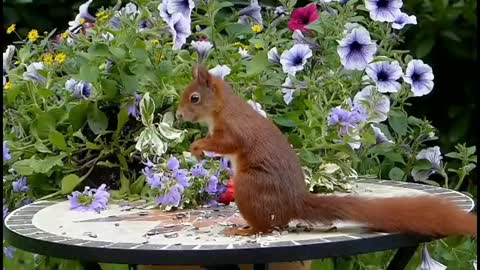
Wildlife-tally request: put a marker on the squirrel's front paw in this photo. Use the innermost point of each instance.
(197, 151)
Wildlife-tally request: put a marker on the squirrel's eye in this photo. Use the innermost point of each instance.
(195, 98)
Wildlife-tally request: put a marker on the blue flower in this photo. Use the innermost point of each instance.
(182, 177)
(356, 50)
(130, 10)
(6, 152)
(383, 10)
(220, 71)
(173, 164)
(202, 48)
(162, 8)
(83, 14)
(295, 58)
(253, 11)
(9, 252)
(90, 199)
(172, 197)
(280, 10)
(420, 76)
(385, 76)
(115, 22)
(377, 105)
(289, 89)
(79, 89)
(32, 73)
(20, 185)
(180, 29)
(244, 53)
(380, 136)
(153, 179)
(432, 155)
(198, 170)
(183, 7)
(133, 108)
(212, 185)
(403, 19)
(348, 121)
(299, 38)
(273, 55)
(5, 210)
(428, 263)
(7, 58)
(226, 165)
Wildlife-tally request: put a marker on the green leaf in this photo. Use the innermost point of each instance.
(257, 64)
(424, 47)
(137, 186)
(42, 148)
(89, 72)
(471, 150)
(57, 139)
(122, 119)
(453, 155)
(78, 115)
(99, 49)
(284, 121)
(110, 89)
(309, 157)
(398, 122)
(395, 157)
(118, 53)
(422, 164)
(124, 184)
(23, 167)
(69, 183)
(42, 126)
(237, 29)
(97, 120)
(139, 51)
(45, 165)
(396, 174)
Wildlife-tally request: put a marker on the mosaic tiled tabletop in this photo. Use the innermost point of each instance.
(123, 227)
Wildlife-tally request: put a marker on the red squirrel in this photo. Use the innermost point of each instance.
(270, 190)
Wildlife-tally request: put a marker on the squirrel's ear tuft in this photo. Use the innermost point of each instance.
(201, 75)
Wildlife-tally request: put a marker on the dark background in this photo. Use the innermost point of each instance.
(445, 38)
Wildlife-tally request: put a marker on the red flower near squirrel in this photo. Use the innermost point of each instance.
(302, 17)
(227, 197)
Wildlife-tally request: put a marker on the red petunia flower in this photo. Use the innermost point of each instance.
(228, 196)
(302, 17)
(202, 38)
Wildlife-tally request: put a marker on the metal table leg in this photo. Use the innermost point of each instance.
(91, 265)
(402, 257)
(132, 267)
(260, 267)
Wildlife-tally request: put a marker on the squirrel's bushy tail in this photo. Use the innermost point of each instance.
(424, 215)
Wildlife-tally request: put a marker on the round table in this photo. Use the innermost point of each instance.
(129, 234)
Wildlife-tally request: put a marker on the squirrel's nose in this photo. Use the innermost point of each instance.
(179, 115)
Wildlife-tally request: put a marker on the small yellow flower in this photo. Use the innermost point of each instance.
(155, 41)
(82, 21)
(11, 29)
(170, 43)
(257, 28)
(238, 44)
(33, 35)
(48, 59)
(8, 85)
(102, 16)
(60, 58)
(64, 36)
(258, 46)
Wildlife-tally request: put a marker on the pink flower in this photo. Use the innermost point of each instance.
(302, 17)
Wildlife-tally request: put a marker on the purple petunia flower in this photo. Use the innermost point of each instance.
(434, 156)
(198, 170)
(130, 10)
(172, 197)
(79, 89)
(220, 71)
(225, 164)
(173, 164)
(385, 76)
(244, 53)
(253, 11)
(377, 105)
(115, 23)
(347, 120)
(383, 10)
(9, 252)
(420, 76)
(133, 108)
(288, 89)
(180, 29)
(183, 7)
(6, 152)
(7, 58)
(20, 185)
(162, 8)
(83, 14)
(295, 58)
(5, 210)
(428, 263)
(299, 38)
(212, 185)
(403, 19)
(32, 73)
(90, 199)
(356, 50)
(380, 136)
(273, 55)
(280, 10)
(202, 48)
